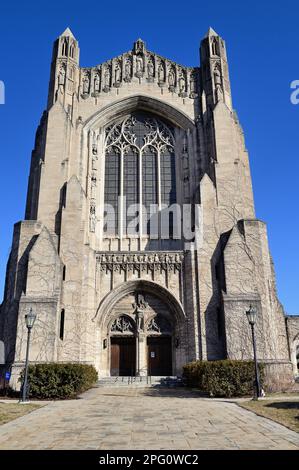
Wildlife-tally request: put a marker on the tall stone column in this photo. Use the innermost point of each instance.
(141, 369)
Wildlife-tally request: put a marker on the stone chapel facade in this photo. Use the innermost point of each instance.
(141, 130)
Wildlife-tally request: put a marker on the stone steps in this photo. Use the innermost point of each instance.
(142, 381)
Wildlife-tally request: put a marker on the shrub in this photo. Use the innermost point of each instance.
(225, 378)
(58, 380)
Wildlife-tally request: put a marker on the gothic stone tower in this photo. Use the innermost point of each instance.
(140, 130)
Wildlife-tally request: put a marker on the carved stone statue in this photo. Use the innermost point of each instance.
(140, 305)
(171, 79)
(139, 66)
(193, 85)
(128, 70)
(61, 76)
(218, 83)
(92, 218)
(106, 79)
(97, 83)
(182, 83)
(117, 74)
(161, 73)
(86, 84)
(150, 68)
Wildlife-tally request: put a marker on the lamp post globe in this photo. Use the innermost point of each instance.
(29, 321)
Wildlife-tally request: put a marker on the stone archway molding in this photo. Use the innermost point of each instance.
(138, 102)
(148, 287)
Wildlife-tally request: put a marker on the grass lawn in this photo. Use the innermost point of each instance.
(10, 411)
(282, 411)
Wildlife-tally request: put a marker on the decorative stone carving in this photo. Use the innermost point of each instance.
(92, 217)
(159, 261)
(106, 78)
(171, 79)
(61, 78)
(139, 47)
(117, 74)
(182, 84)
(218, 82)
(159, 325)
(86, 83)
(122, 324)
(139, 66)
(96, 83)
(140, 305)
(150, 69)
(193, 85)
(161, 73)
(128, 70)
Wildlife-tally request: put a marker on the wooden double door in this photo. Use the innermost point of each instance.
(159, 354)
(123, 356)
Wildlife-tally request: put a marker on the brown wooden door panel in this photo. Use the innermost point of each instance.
(159, 355)
(123, 356)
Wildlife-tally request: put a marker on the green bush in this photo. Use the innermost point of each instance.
(58, 380)
(225, 378)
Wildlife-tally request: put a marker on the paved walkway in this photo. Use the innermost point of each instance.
(134, 418)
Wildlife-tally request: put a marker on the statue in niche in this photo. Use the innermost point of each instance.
(193, 85)
(139, 66)
(92, 218)
(128, 70)
(140, 305)
(182, 84)
(106, 79)
(117, 75)
(218, 83)
(93, 185)
(61, 77)
(161, 73)
(150, 69)
(86, 84)
(171, 80)
(97, 83)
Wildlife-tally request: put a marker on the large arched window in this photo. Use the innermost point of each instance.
(139, 171)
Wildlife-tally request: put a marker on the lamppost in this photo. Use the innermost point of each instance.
(251, 316)
(29, 320)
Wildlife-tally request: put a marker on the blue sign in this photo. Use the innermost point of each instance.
(7, 375)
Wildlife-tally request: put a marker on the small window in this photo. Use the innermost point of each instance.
(72, 50)
(61, 330)
(63, 272)
(64, 48)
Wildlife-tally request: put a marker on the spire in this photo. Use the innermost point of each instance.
(68, 33)
(211, 32)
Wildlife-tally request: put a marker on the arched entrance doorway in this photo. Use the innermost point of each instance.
(141, 336)
(123, 347)
(159, 346)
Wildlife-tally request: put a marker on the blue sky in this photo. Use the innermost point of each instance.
(263, 49)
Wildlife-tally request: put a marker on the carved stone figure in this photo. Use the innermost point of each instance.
(150, 68)
(61, 76)
(161, 73)
(128, 70)
(117, 74)
(182, 84)
(218, 83)
(97, 83)
(139, 66)
(86, 82)
(106, 78)
(193, 85)
(171, 79)
(92, 218)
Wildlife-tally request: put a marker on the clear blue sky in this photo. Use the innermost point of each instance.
(263, 49)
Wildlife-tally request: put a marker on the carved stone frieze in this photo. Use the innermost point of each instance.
(142, 65)
(140, 261)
